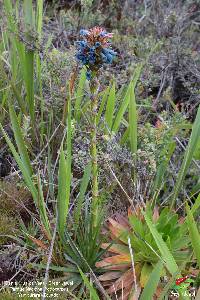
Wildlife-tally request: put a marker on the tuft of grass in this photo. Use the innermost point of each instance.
(23, 165)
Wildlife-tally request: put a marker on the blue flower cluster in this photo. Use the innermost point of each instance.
(94, 50)
(108, 55)
(89, 55)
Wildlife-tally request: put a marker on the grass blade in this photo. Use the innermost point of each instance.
(110, 107)
(165, 253)
(22, 168)
(39, 18)
(63, 200)
(37, 195)
(121, 110)
(196, 205)
(103, 101)
(194, 138)
(89, 286)
(83, 188)
(29, 82)
(42, 207)
(28, 13)
(28, 65)
(79, 94)
(125, 103)
(161, 171)
(64, 178)
(152, 283)
(194, 234)
(19, 98)
(132, 120)
(20, 141)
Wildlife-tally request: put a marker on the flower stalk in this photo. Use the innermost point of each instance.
(94, 50)
(94, 87)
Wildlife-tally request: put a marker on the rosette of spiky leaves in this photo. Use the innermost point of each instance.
(118, 266)
(94, 50)
(80, 249)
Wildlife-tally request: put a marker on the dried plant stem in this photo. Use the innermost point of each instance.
(46, 278)
(133, 264)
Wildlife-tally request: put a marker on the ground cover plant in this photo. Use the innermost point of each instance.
(99, 150)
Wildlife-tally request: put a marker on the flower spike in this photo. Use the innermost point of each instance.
(94, 49)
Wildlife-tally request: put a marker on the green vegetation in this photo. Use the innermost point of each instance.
(100, 149)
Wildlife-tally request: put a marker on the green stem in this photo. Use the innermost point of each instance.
(93, 153)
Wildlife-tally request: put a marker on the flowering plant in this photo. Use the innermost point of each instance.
(94, 50)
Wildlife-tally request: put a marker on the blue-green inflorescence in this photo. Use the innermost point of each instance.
(94, 50)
